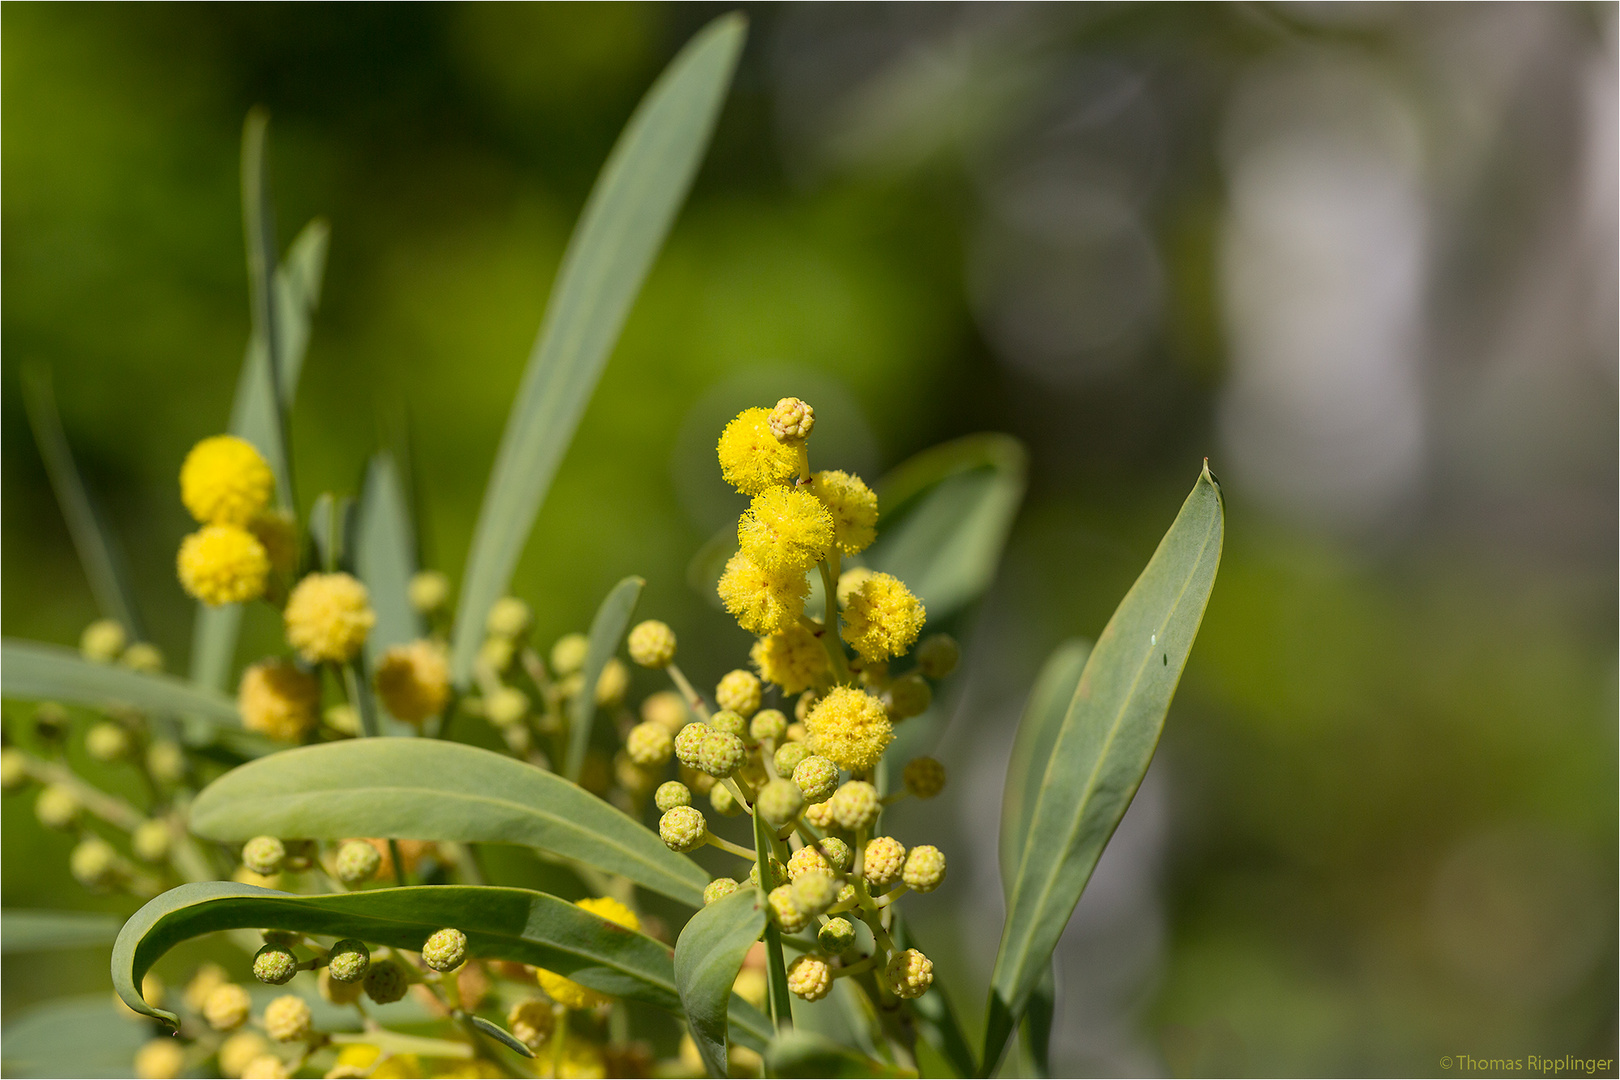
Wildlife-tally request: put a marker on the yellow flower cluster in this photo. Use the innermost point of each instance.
(226, 485)
(850, 728)
(328, 617)
(413, 680)
(276, 699)
(882, 618)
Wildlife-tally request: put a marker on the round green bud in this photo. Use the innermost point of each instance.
(106, 742)
(815, 892)
(779, 873)
(508, 617)
(344, 719)
(357, 861)
(446, 950)
(780, 802)
(102, 641)
(837, 852)
(94, 863)
(689, 741)
(719, 889)
(837, 936)
(720, 754)
(385, 983)
(817, 777)
(288, 1019)
(909, 695)
(349, 960)
(51, 721)
(723, 801)
(151, 841)
(264, 855)
(652, 644)
(649, 745)
(819, 814)
(855, 805)
(909, 974)
(883, 862)
(924, 869)
(57, 807)
(924, 777)
(166, 762)
(792, 420)
(809, 977)
(428, 591)
(275, 964)
(13, 769)
(789, 756)
(768, 724)
(506, 706)
(162, 1058)
(739, 692)
(496, 654)
(568, 654)
(227, 1007)
(937, 655)
(683, 828)
(143, 656)
(729, 722)
(784, 912)
(670, 794)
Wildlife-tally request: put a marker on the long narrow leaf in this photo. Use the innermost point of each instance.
(37, 931)
(1103, 750)
(385, 557)
(433, 790)
(708, 955)
(48, 672)
(1032, 747)
(624, 223)
(607, 631)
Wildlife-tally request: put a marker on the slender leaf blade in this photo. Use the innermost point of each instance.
(385, 556)
(502, 1036)
(623, 225)
(804, 1053)
(607, 631)
(708, 955)
(27, 930)
(1103, 749)
(1032, 748)
(433, 790)
(29, 669)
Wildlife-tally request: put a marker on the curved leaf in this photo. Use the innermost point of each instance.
(433, 790)
(31, 670)
(607, 630)
(23, 930)
(708, 956)
(804, 1053)
(1103, 749)
(1032, 747)
(946, 516)
(623, 225)
(500, 923)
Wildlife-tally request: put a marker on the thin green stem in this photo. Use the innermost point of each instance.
(775, 966)
(729, 848)
(693, 698)
(830, 639)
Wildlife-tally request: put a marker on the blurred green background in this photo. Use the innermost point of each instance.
(1362, 257)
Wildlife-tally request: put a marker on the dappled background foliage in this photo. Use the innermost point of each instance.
(1362, 258)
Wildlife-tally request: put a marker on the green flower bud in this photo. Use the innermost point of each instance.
(94, 863)
(683, 828)
(166, 762)
(163, 1058)
(508, 617)
(670, 794)
(227, 1007)
(102, 641)
(820, 815)
(809, 977)
(883, 862)
(428, 591)
(784, 912)
(855, 806)
(568, 654)
(924, 777)
(357, 861)
(924, 869)
(275, 964)
(652, 644)
(723, 801)
(740, 692)
(446, 950)
(264, 855)
(792, 420)
(815, 892)
(817, 777)
(51, 721)
(937, 655)
(349, 960)
(837, 936)
(789, 756)
(649, 745)
(13, 769)
(143, 656)
(909, 695)
(719, 889)
(57, 807)
(689, 741)
(385, 983)
(496, 654)
(720, 754)
(780, 802)
(830, 856)
(106, 742)
(151, 840)
(768, 724)
(239, 1051)
(506, 706)
(779, 873)
(729, 722)
(909, 974)
(288, 1019)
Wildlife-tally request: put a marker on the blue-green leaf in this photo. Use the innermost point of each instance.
(47, 672)
(85, 1035)
(385, 557)
(1032, 747)
(623, 225)
(1103, 750)
(607, 631)
(804, 1053)
(434, 790)
(502, 1036)
(26, 930)
(708, 955)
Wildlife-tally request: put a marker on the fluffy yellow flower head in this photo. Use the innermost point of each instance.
(851, 727)
(853, 506)
(565, 991)
(763, 601)
(752, 459)
(786, 529)
(328, 617)
(791, 658)
(223, 564)
(278, 700)
(224, 481)
(414, 680)
(882, 618)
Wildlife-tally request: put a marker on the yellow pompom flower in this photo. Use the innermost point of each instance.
(882, 618)
(752, 458)
(328, 617)
(413, 680)
(792, 658)
(786, 529)
(850, 727)
(278, 700)
(565, 991)
(223, 564)
(224, 481)
(763, 601)
(853, 505)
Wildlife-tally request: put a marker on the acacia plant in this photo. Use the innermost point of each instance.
(389, 814)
